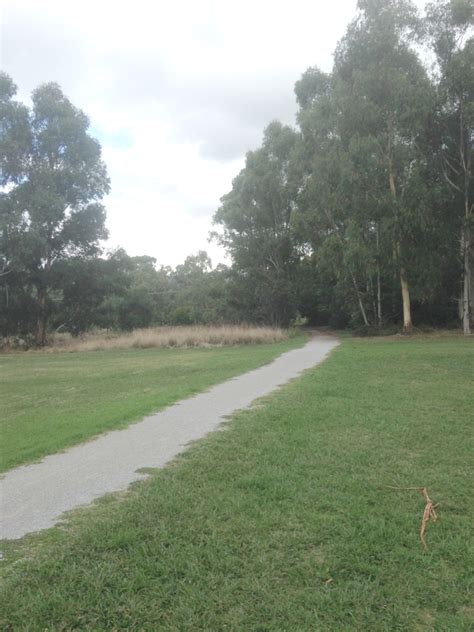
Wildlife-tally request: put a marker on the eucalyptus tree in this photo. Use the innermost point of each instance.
(53, 182)
(450, 31)
(256, 217)
(385, 99)
(362, 198)
(326, 222)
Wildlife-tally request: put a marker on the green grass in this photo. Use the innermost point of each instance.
(283, 521)
(51, 401)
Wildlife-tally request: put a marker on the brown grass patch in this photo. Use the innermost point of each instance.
(167, 337)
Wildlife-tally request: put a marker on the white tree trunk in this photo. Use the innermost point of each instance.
(466, 298)
(407, 323)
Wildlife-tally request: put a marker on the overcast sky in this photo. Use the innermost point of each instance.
(177, 92)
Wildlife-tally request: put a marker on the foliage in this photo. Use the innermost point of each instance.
(256, 218)
(50, 210)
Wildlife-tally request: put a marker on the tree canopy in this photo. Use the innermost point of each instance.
(56, 179)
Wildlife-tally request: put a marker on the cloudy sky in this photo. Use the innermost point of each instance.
(177, 92)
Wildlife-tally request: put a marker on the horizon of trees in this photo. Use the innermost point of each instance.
(361, 216)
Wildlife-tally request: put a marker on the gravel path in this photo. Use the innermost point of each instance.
(33, 497)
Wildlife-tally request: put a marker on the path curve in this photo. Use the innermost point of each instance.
(33, 497)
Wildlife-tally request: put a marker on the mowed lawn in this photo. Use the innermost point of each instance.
(50, 401)
(285, 520)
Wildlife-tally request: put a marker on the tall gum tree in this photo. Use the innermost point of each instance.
(384, 94)
(256, 226)
(51, 208)
(341, 198)
(323, 223)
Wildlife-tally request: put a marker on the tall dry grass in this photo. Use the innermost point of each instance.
(192, 336)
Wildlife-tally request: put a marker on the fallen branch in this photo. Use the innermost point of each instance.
(428, 514)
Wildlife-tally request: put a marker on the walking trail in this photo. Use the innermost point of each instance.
(33, 497)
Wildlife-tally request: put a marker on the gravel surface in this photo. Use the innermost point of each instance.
(33, 497)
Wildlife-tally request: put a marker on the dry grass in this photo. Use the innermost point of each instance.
(193, 336)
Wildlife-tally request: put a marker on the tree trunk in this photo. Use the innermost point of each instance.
(359, 299)
(40, 337)
(407, 323)
(379, 283)
(466, 299)
(372, 294)
(379, 299)
(471, 285)
(362, 310)
(465, 146)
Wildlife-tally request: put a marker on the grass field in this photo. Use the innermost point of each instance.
(284, 521)
(52, 401)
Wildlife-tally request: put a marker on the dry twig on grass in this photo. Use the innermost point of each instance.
(428, 514)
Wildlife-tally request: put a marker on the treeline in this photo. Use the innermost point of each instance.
(119, 292)
(363, 215)
(360, 216)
